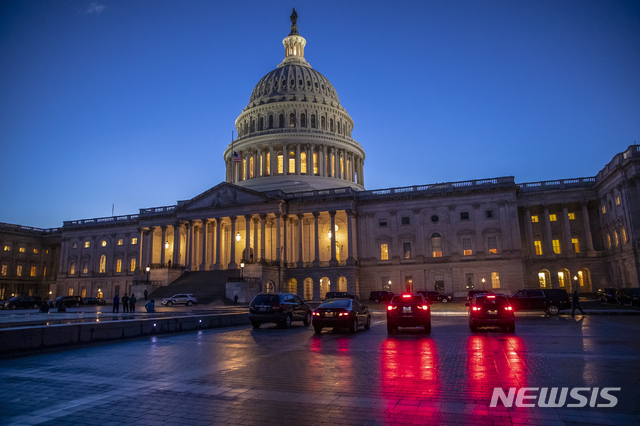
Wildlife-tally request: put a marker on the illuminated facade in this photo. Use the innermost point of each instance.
(295, 211)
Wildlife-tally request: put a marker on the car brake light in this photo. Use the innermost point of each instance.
(316, 314)
(343, 314)
(475, 308)
(508, 308)
(425, 307)
(406, 296)
(491, 296)
(390, 307)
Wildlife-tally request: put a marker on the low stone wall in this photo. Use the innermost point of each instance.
(16, 340)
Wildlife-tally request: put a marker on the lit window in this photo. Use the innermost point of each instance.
(542, 278)
(617, 200)
(552, 218)
(436, 245)
(119, 265)
(492, 243)
(538, 245)
(133, 265)
(624, 236)
(615, 237)
(134, 241)
(556, 246)
(609, 240)
(576, 244)
(495, 280)
(405, 220)
(103, 243)
(303, 162)
(384, 252)
(572, 216)
(280, 163)
(103, 264)
(85, 267)
(33, 271)
(21, 250)
(466, 246)
(561, 278)
(70, 291)
(292, 162)
(35, 251)
(464, 215)
(250, 167)
(341, 166)
(604, 209)
(534, 219)
(488, 214)
(5, 270)
(44, 272)
(406, 248)
(19, 270)
(581, 278)
(46, 251)
(7, 248)
(72, 268)
(120, 241)
(87, 244)
(315, 163)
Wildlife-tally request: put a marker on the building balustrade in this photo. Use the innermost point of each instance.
(557, 184)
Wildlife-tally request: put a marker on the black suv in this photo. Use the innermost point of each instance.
(339, 295)
(628, 295)
(434, 296)
(380, 296)
(69, 301)
(23, 302)
(491, 310)
(281, 308)
(408, 310)
(551, 301)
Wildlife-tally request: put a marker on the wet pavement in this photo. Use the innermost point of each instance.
(241, 376)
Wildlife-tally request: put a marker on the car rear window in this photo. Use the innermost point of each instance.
(268, 299)
(338, 303)
(492, 301)
(412, 299)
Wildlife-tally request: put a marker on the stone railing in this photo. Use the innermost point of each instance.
(29, 229)
(438, 187)
(157, 210)
(102, 220)
(557, 184)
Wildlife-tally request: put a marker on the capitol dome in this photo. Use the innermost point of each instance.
(294, 135)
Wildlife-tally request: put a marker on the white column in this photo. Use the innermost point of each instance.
(333, 261)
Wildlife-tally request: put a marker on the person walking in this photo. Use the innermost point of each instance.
(125, 303)
(235, 299)
(116, 304)
(145, 294)
(575, 303)
(132, 303)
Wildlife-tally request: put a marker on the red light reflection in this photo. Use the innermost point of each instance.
(410, 368)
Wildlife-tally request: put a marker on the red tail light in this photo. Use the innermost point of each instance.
(390, 307)
(343, 314)
(424, 307)
(476, 308)
(508, 308)
(316, 313)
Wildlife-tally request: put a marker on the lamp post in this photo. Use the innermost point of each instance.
(242, 269)
(148, 273)
(575, 282)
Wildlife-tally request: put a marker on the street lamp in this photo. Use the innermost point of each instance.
(148, 273)
(238, 236)
(575, 282)
(242, 269)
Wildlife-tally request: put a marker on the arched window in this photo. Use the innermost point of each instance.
(308, 289)
(280, 163)
(292, 286)
(436, 245)
(281, 121)
(261, 124)
(323, 123)
(303, 120)
(103, 264)
(331, 124)
(325, 285)
(303, 162)
(292, 162)
(271, 287)
(342, 284)
(292, 120)
(544, 279)
(271, 121)
(564, 277)
(313, 121)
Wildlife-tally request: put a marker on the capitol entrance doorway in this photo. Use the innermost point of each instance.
(408, 283)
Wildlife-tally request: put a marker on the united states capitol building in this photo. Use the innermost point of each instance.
(293, 215)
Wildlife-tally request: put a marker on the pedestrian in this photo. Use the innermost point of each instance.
(132, 303)
(575, 304)
(169, 263)
(125, 303)
(235, 299)
(116, 303)
(150, 306)
(145, 294)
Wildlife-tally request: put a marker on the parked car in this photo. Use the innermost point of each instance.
(474, 292)
(94, 301)
(607, 295)
(339, 295)
(341, 313)
(434, 296)
(408, 310)
(23, 302)
(491, 310)
(180, 299)
(281, 308)
(380, 296)
(68, 301)
(628, 295)
(551, 301)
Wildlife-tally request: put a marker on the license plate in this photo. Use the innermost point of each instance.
(263, 309)
(406, 310)
(492, 312)
(328, 314)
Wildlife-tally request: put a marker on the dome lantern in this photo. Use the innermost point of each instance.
(294, 45)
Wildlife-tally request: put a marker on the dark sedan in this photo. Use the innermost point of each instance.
(434, 296)
(341, 313)
(94, 301)
(491, 310)
(408, 310)
(281, 308)
(69, 301)
(23, 302)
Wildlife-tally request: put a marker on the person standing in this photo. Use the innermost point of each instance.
(116, 304)
(132, 303)
(235, 299)
(145, 294)
(575, 303)
(125, 303)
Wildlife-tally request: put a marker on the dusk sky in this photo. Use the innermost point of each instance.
(132, 103)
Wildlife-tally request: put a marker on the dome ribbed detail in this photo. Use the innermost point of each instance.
(289, 80)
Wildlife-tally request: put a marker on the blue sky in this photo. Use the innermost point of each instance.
(133, 102)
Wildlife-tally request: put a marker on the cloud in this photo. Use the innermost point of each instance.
(95, 8)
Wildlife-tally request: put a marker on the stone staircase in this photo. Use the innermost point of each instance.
(206, 286)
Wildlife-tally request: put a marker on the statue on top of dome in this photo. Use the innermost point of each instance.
(294, 20)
